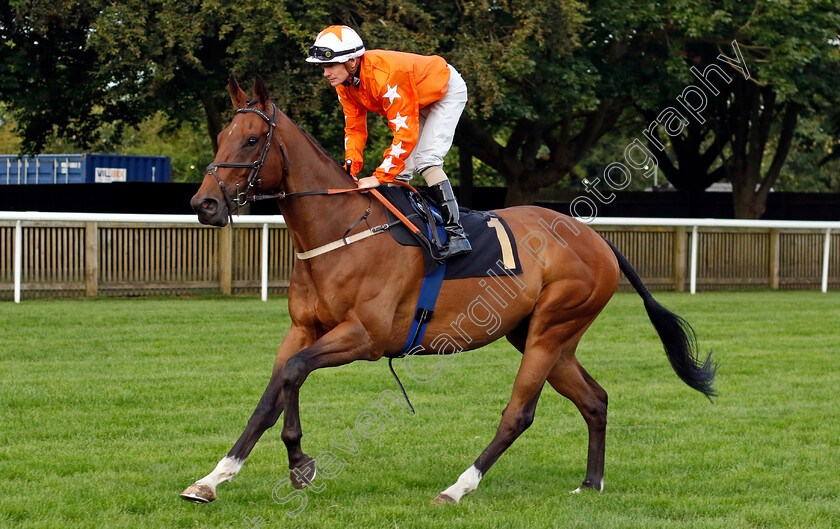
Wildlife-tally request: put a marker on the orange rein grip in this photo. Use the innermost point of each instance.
(387, 203)
(397, 213)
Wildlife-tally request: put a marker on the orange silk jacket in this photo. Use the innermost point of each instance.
(396, 85)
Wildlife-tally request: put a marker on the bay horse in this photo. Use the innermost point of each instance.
(357, 302)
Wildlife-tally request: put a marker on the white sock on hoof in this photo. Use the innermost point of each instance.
(467, 482)
(226, 470)
(600, 488)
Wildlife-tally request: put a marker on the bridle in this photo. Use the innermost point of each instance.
(254, 181)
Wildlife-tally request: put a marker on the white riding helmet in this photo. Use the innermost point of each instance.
(336, 44)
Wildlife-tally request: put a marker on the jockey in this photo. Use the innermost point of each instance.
(421, 96)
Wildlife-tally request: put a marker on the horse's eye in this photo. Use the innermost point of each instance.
(252, 141)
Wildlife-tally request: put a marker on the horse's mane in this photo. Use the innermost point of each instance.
(316, 143)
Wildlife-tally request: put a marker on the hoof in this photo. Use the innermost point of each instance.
(443, 499)
(303, 475)
(199, 493)
(589, 486)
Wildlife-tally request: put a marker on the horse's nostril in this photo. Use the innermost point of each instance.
(207, 205)
(204, 205)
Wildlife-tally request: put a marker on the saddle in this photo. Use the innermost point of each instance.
(491, 239)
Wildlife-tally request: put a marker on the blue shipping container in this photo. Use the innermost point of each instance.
(82, 169)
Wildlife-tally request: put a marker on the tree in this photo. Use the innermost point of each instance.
(543, 84)
(811, 165)
(785, 64)
(48, 74)
(547, 80)
(68, 68)
(183, 64)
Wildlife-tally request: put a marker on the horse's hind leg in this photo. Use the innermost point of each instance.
(553, 331)
(516, 418)
(572, 381)
(264, 417)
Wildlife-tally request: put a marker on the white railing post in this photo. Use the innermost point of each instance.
(264, 264)
(18, 258)
(693, 273)
(826, 251)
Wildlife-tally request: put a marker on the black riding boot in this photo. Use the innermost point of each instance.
(445, 197)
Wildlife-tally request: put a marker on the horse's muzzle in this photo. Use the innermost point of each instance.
(210, 210)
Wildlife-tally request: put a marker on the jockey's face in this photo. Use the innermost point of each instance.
(336, 73)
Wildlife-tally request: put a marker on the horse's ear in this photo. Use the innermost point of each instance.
(261, 93)
(237, 95)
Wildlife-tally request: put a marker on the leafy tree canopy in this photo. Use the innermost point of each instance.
(548, 80)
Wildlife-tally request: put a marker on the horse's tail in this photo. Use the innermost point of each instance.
(676, 334)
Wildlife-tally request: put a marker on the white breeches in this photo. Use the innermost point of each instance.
(437, 128)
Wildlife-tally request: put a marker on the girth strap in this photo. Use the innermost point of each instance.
(429, 291)
(382, 228)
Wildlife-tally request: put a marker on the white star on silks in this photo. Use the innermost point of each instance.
(399, 122)
(397, 150)
(392, 94)
(387, 165)
(345, 143)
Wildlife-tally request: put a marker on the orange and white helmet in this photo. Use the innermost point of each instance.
(336, 44)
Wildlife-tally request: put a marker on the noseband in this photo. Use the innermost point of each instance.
(254, 182)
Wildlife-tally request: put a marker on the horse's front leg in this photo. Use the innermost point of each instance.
(264, 416)
(347, 342)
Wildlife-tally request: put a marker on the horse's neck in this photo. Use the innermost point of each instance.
(317, 219)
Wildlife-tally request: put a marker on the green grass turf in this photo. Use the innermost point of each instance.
(110, 407)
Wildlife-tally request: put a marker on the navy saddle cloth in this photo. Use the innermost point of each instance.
(491, 239)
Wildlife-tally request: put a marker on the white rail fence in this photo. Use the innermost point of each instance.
(92, 252)
(213, 252)
(773, 227)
